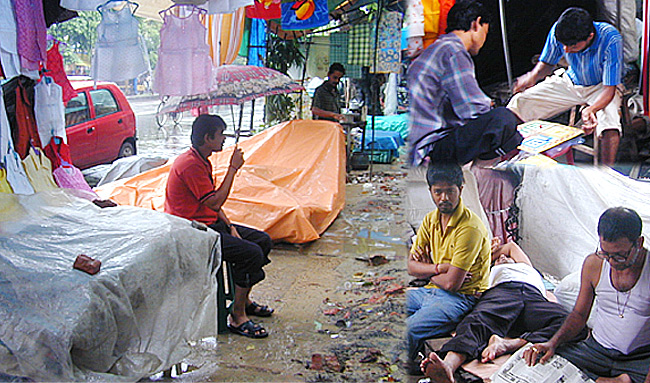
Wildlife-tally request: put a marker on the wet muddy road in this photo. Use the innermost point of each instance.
(339, 301)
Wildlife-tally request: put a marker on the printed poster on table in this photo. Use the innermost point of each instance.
(540, 136)
(304, 14)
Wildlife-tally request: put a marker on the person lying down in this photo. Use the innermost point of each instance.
(513, 312)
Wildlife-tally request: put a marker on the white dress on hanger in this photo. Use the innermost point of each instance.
(49, 110)
(120, 53)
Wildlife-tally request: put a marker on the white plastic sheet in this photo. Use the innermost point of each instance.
(130, 320)
(560, 207)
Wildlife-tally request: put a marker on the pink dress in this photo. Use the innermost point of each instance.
(184, 66)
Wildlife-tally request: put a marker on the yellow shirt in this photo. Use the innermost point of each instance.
(465, 245)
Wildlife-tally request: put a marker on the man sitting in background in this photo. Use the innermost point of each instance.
(594, 52)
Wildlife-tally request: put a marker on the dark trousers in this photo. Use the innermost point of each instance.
(510, 309)
(487, 136)
(247, 255)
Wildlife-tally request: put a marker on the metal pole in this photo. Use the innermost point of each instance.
(304, 72)
(504, 38)
(374, 90)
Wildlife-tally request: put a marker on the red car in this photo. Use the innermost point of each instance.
(100, 124)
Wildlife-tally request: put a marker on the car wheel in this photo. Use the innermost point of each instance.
(127, 149)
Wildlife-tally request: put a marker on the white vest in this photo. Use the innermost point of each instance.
(633, 330)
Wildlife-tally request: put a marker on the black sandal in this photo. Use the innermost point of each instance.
(259, 310)
(249, 329)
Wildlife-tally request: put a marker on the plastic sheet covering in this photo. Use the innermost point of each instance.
(292, 184)
(129, 167)
(560, 207)
(130, 320)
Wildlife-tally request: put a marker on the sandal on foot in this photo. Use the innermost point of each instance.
(249, 329)
(259, 310)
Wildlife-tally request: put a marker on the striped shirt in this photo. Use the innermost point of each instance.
(443, 92)
(600, 62)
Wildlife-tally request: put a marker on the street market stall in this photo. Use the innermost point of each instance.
(135, 317)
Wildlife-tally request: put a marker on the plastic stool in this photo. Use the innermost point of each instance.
(224, 275)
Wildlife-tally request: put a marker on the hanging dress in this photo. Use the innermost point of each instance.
(49, 110)
(57, 72)
(120, 53)
(31, 32)
(184, 67)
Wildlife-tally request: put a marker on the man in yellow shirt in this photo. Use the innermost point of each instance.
(452, 251)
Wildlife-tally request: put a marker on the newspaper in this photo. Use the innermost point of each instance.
(556, 370)
(540, 136)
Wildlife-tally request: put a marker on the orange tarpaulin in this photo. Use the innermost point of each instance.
(292, 184)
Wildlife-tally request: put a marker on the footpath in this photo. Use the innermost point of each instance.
(339, 301)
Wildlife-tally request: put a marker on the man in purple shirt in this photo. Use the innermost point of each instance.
(451, 118)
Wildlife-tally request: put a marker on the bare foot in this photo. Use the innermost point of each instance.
(623, 378)
(498, 346)
(438, 370)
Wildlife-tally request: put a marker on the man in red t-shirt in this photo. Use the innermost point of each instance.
(191, 194)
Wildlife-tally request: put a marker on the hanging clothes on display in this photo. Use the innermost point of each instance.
(4, 184)
(9, 58)
(184, 66)
(49, 110)
(225, 6)
(445, 6)
(431, 22)
(16, 176)
(257, 43)
(120, 53)
(225, 34)
(19, 101)
(414, 24)
(31, 32)
(57, 72)
(55, 13)
(304, 14)
(57, 152)
(360, 49)
(264, 9)
(339, 54)
(389, 52)
(39, 171)
(81, 5)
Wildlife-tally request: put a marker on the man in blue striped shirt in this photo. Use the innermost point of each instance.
(452, 120)
(594, 52)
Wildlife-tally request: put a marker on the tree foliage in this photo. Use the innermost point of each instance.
(282, 55)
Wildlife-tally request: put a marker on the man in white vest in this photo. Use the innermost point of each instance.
(616, 281)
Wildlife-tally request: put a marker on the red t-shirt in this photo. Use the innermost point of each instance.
(189, 184)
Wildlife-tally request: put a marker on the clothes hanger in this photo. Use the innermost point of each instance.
(193, 7)
(128, 2)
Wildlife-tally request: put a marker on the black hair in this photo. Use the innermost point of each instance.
(445, 172)
(206, 124)
(462, 14)
(619, 222)
(336, 67)
(574, 25)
